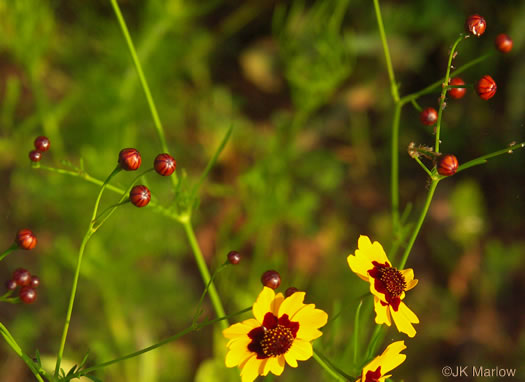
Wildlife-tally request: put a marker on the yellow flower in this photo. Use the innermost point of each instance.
(387, 284)
(280, 332)
(376, 371)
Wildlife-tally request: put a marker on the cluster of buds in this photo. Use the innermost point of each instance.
(27, 283)
(129, 159)
(42, 144)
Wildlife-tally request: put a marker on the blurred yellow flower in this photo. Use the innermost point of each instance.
(387, 284)
(280, 332)
(376, 371)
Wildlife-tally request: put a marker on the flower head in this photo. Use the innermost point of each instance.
(280, 333)
(387, 284)
(376, 371)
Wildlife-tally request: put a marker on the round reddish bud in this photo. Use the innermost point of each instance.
(26, 239)
(35, 156)
(129, 159)
(486, 87)
(290, 291)
(22, 277)
(447, 165)
(27, 295)
(271, 279)
(503, 43)
(11, 285)
(476, 25)
(234, 257)
(428, 116)
(164, 164)
(42, 144)
(456, 93)
(140, 196)
(35, 282)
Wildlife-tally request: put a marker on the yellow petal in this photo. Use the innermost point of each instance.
(264, 367)
(276, 304)
(300, 350)
(240, 329)
(292, 304)
(408, 274)
(290, 359)
(391, 357)
(382, 313)
(377, 253)
(404, 318)
(238, 353)
(309, 318)
(375, 292)
(263, 304)
(359, 266)
(250, 369)
(277, 365)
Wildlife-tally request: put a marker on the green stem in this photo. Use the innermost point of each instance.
(389, 67)
(8, 251)
(191, 328)
(76, 276)
(203, 269)
(444, 91)
(356, 332)
(439, 83)
(329, 368)
(18, 350)
(143, 82)
(419, 223)
(423, 166)
(373, 340)
(394, 163)
(483, 159)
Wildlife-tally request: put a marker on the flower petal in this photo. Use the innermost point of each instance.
(300, 350)
(240, 329)
(250, 369)
(408, 274)
(238, 352)
(404, 318)
(276, 304)
(277, 364)
(290, 359)
(263, 304)
(382, 312)
(309, 318)
(392, 357)
(292, 304)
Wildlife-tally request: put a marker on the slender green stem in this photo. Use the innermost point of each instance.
(198, 311)
(356, 331)
(76, 276)
(373, 340)
(203, 269)
(419, 223)
(444, 91)
(483, 159)
(18, 350)
(439, 83)
(389, 67)
(8, 251)
(423, 166)
(394, 169)
(180, 334)
(143, 81)
(329, 368)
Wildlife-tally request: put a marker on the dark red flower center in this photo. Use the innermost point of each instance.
(274, 337)
(389, 281)
(373, 376)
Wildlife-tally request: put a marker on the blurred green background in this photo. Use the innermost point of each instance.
(306, 171)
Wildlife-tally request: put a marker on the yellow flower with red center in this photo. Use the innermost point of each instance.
(387, 284)
(376, 371)
(280, 333)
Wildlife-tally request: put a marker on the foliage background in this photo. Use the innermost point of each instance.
(306, 171)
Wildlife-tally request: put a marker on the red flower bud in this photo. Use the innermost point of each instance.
(486, 87)
(140, 196)
(26, 239)
(447, 165)
(428, 116)
(456, 93)
(271, 279)
(129, 159)
(27, 295)
(503, 43)
(164, 164)
(35, 156)
(476, 25)
(42, 143)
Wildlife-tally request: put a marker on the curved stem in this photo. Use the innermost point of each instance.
(205, 274)
(330, 369)
(444, 91)
(18, 350)
(8, 251)
(389, 67)
(189, 329)
(86, 238)
(419, 223)
(143, 82)
(483, 159)
(356, 331)
(394, 169)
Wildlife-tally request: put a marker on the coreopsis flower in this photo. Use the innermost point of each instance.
(377, 369)
(387, 284)
(280, 333)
